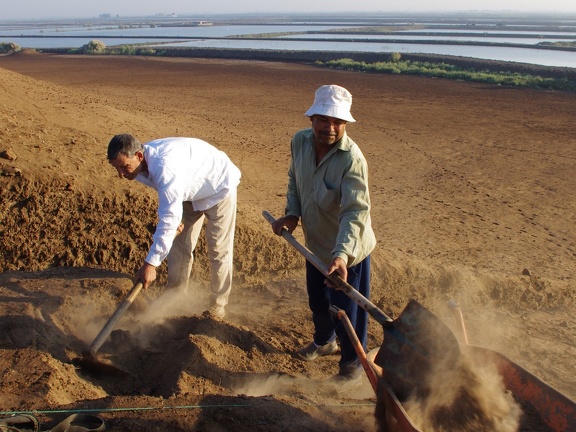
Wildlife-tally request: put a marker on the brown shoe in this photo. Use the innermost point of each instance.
(217, 311)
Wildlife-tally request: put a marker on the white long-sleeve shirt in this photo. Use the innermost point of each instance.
(184, 169)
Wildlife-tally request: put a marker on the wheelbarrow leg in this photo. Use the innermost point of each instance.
(458, 312)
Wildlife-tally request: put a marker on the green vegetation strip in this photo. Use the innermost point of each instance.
(445, 70)
(393, 66)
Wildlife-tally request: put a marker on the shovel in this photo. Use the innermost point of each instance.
(418, 348)
(89, 360)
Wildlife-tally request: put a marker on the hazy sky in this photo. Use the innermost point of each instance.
(87, 9)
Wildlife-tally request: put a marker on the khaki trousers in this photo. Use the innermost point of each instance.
(220, 226)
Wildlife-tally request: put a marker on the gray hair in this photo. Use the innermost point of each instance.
(124, 144)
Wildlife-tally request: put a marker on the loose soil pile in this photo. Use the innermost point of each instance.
(472, 195)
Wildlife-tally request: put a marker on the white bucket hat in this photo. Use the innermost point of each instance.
(332, 101)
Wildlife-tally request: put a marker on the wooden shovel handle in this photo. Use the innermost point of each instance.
(120, 310)
(374, 311)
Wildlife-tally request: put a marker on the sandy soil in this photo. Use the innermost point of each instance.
(473, 200)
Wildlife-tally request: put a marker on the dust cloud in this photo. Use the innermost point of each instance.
(473, 399)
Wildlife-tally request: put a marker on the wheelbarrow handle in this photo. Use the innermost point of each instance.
(374, 311)
(341, 315)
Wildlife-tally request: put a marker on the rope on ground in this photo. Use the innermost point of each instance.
(170, 407)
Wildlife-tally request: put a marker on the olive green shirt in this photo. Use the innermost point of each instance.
(332, 199)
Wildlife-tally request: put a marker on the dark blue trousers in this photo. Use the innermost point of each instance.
(321, 297)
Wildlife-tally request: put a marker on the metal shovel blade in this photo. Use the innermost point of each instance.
(418, 350)
(89, 361)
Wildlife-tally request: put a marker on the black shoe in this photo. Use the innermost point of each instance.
(349, 375)
(313, 351)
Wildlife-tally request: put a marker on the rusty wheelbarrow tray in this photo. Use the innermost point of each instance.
(554, 408)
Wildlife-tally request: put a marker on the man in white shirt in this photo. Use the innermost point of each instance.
(194, 180)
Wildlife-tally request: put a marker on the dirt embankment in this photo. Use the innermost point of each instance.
(311, 57)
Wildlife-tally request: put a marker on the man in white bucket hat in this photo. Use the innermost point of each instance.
(328, 192)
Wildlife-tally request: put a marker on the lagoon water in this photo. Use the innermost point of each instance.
(521, 55)
(218, 36)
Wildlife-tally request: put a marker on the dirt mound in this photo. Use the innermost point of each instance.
(170, 358)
